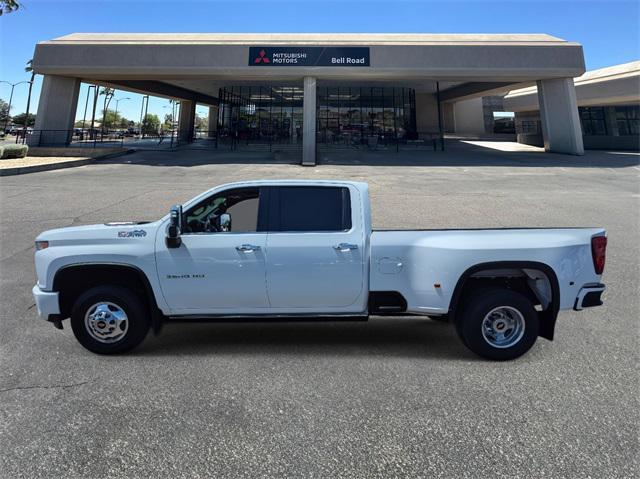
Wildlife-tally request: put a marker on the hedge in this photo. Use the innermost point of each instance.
(13, 151)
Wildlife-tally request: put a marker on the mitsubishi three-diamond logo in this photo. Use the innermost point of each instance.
(262, 57)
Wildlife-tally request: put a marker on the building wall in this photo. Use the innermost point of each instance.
(426, 113)
(448, 118)
(528, 128)
(469, 117)
(529, 132)
(491, 104)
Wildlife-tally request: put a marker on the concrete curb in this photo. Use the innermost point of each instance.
(22, 170)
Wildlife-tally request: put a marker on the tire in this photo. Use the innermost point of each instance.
(498, 324)
(109, 320)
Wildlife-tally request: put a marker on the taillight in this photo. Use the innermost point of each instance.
(598, 251)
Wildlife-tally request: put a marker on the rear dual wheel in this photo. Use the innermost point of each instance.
(498, 324)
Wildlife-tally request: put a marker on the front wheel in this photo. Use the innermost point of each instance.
(109, 320)
(498, 324)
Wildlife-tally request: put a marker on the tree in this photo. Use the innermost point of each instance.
(150, 124)
(4, 111)
(108, 95)
(29, 69)
(168, 122)
(202, 123)
(8, 6)
(111, 119)
(124, 123)
(19, 119)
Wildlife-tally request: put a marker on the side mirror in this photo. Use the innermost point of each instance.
(175, 227)
(224, 222)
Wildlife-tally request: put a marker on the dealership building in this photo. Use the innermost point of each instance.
(608, 106)
(317, 89)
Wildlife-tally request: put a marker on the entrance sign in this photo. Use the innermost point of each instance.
(309, 56)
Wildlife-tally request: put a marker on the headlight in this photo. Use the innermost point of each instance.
(41, 245)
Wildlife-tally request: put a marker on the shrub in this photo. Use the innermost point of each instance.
(1, 151)
(14, 151)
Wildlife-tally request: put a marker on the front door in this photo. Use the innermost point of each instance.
(220, 266)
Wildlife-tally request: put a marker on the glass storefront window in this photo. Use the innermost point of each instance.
(261, 114)
(354, 115)
(349, 116)
(592, 120)
(628, 120)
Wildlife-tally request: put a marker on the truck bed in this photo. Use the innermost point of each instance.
(426, 265)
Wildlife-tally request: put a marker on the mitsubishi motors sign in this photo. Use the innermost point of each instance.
(309, 56)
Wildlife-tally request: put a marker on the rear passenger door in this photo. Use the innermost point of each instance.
(315, 249)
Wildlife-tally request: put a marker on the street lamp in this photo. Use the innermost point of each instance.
(13, 85)
(118, 100)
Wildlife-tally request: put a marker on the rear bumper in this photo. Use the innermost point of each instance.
(589, 296)
(47, 302)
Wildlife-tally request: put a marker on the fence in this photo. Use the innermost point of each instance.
(77, 138)
(227, 140)
(253, 140)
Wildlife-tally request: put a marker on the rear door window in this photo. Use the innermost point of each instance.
(309, 208)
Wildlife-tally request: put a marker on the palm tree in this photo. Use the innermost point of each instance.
(8, 6)
(108, 95)
(29, 69)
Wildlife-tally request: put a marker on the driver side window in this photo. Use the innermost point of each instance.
(234, 210)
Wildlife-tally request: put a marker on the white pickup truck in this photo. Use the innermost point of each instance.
(306, 249)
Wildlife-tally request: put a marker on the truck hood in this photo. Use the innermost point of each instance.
(100, 233)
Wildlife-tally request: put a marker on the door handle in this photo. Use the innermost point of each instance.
(345, 247)
(247, 248)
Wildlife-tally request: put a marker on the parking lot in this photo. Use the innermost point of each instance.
(391, 397)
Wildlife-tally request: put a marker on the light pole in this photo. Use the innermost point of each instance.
(13, 85)
(118, 100)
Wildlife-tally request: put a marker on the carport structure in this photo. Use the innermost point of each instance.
(325, 85)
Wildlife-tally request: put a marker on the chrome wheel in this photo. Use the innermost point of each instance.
(503, 327)
(106, 322)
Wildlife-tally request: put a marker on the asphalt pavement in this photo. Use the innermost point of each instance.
(391, 397)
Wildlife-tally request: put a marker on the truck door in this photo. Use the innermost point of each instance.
(220, 266)
(315, 249)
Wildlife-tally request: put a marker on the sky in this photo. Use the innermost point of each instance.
(608, 30)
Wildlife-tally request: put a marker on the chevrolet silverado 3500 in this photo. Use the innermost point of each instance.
(306, 249)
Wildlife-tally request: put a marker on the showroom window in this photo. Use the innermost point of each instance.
(350, 116)
(592, 120)
(628, 120)
(529, 127)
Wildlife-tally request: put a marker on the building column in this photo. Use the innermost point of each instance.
(309, 122)
(186, 120)
(559, 116)
(213, 121)
(56, 111)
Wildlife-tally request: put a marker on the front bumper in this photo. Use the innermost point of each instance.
(589, 296)
(47, 302)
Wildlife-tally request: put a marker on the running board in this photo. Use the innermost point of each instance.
(277, 318)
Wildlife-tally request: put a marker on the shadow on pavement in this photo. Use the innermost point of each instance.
(398, 337)
(457, 153)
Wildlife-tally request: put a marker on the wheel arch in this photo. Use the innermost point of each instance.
(73, 279)
(547, 316)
